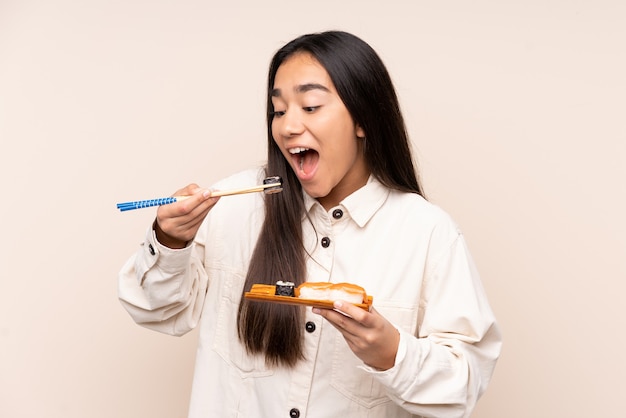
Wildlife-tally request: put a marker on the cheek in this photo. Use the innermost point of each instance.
(348, 142)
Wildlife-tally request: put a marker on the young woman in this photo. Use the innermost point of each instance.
(352, 210)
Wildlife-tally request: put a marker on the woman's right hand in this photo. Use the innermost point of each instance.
(177, 223)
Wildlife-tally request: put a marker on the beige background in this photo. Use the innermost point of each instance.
(516, 108)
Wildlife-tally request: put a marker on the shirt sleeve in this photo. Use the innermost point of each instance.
(444, 369)
(163, 289)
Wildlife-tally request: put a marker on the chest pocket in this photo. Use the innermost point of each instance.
(226, 342)
(352, 381)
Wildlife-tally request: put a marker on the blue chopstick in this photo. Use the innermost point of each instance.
(270, 185)
(139, 204)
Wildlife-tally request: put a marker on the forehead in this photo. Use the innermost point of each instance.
(301, 69)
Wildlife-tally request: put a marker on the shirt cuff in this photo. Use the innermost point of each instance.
(154, 253)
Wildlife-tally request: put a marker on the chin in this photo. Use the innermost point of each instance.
(315, 192)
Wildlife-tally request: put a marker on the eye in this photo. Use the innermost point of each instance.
(310, 109)
(278, 113)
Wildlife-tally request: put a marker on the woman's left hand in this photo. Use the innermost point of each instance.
(369, 335)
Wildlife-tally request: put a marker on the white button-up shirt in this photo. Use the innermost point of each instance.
(406, 252)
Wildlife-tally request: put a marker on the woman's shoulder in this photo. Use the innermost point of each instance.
(415, 208)
(413, 202)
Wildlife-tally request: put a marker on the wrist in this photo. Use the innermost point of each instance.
(166, 239)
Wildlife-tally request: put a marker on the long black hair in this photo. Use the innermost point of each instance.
(365, 87)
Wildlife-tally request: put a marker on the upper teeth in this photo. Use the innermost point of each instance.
(297, 150)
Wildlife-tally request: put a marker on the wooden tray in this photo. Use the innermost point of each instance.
(265, 293)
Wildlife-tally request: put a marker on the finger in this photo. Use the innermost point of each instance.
(186, 210)
(194, 209)
(181, 220)
(188, 223)
(348, 309)
(196, 202)
(344, 324)
(188, 190)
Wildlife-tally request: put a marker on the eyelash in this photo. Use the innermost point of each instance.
(307, 109)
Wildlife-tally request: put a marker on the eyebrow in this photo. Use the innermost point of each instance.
(303, 88)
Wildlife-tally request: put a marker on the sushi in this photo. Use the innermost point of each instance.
(332, 291)
(285, 288)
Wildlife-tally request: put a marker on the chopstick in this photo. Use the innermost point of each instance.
(271, 185)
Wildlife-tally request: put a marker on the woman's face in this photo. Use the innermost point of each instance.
(315, 132)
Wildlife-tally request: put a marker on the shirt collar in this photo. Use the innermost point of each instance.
(362, 204)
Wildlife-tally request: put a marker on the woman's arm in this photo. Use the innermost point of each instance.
(163, 284)
(443, 370)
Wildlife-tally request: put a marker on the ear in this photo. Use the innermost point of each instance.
(360, 133)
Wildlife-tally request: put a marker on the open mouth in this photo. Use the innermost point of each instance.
(305, 159)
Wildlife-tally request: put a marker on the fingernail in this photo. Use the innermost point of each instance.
(316, 311)
(337, 304)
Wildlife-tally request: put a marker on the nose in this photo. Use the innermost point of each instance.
(290, 124)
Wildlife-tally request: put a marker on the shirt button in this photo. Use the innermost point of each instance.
(325, 242)
(337, 213)
(294, 413)
(151, 249)
(309, 326)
